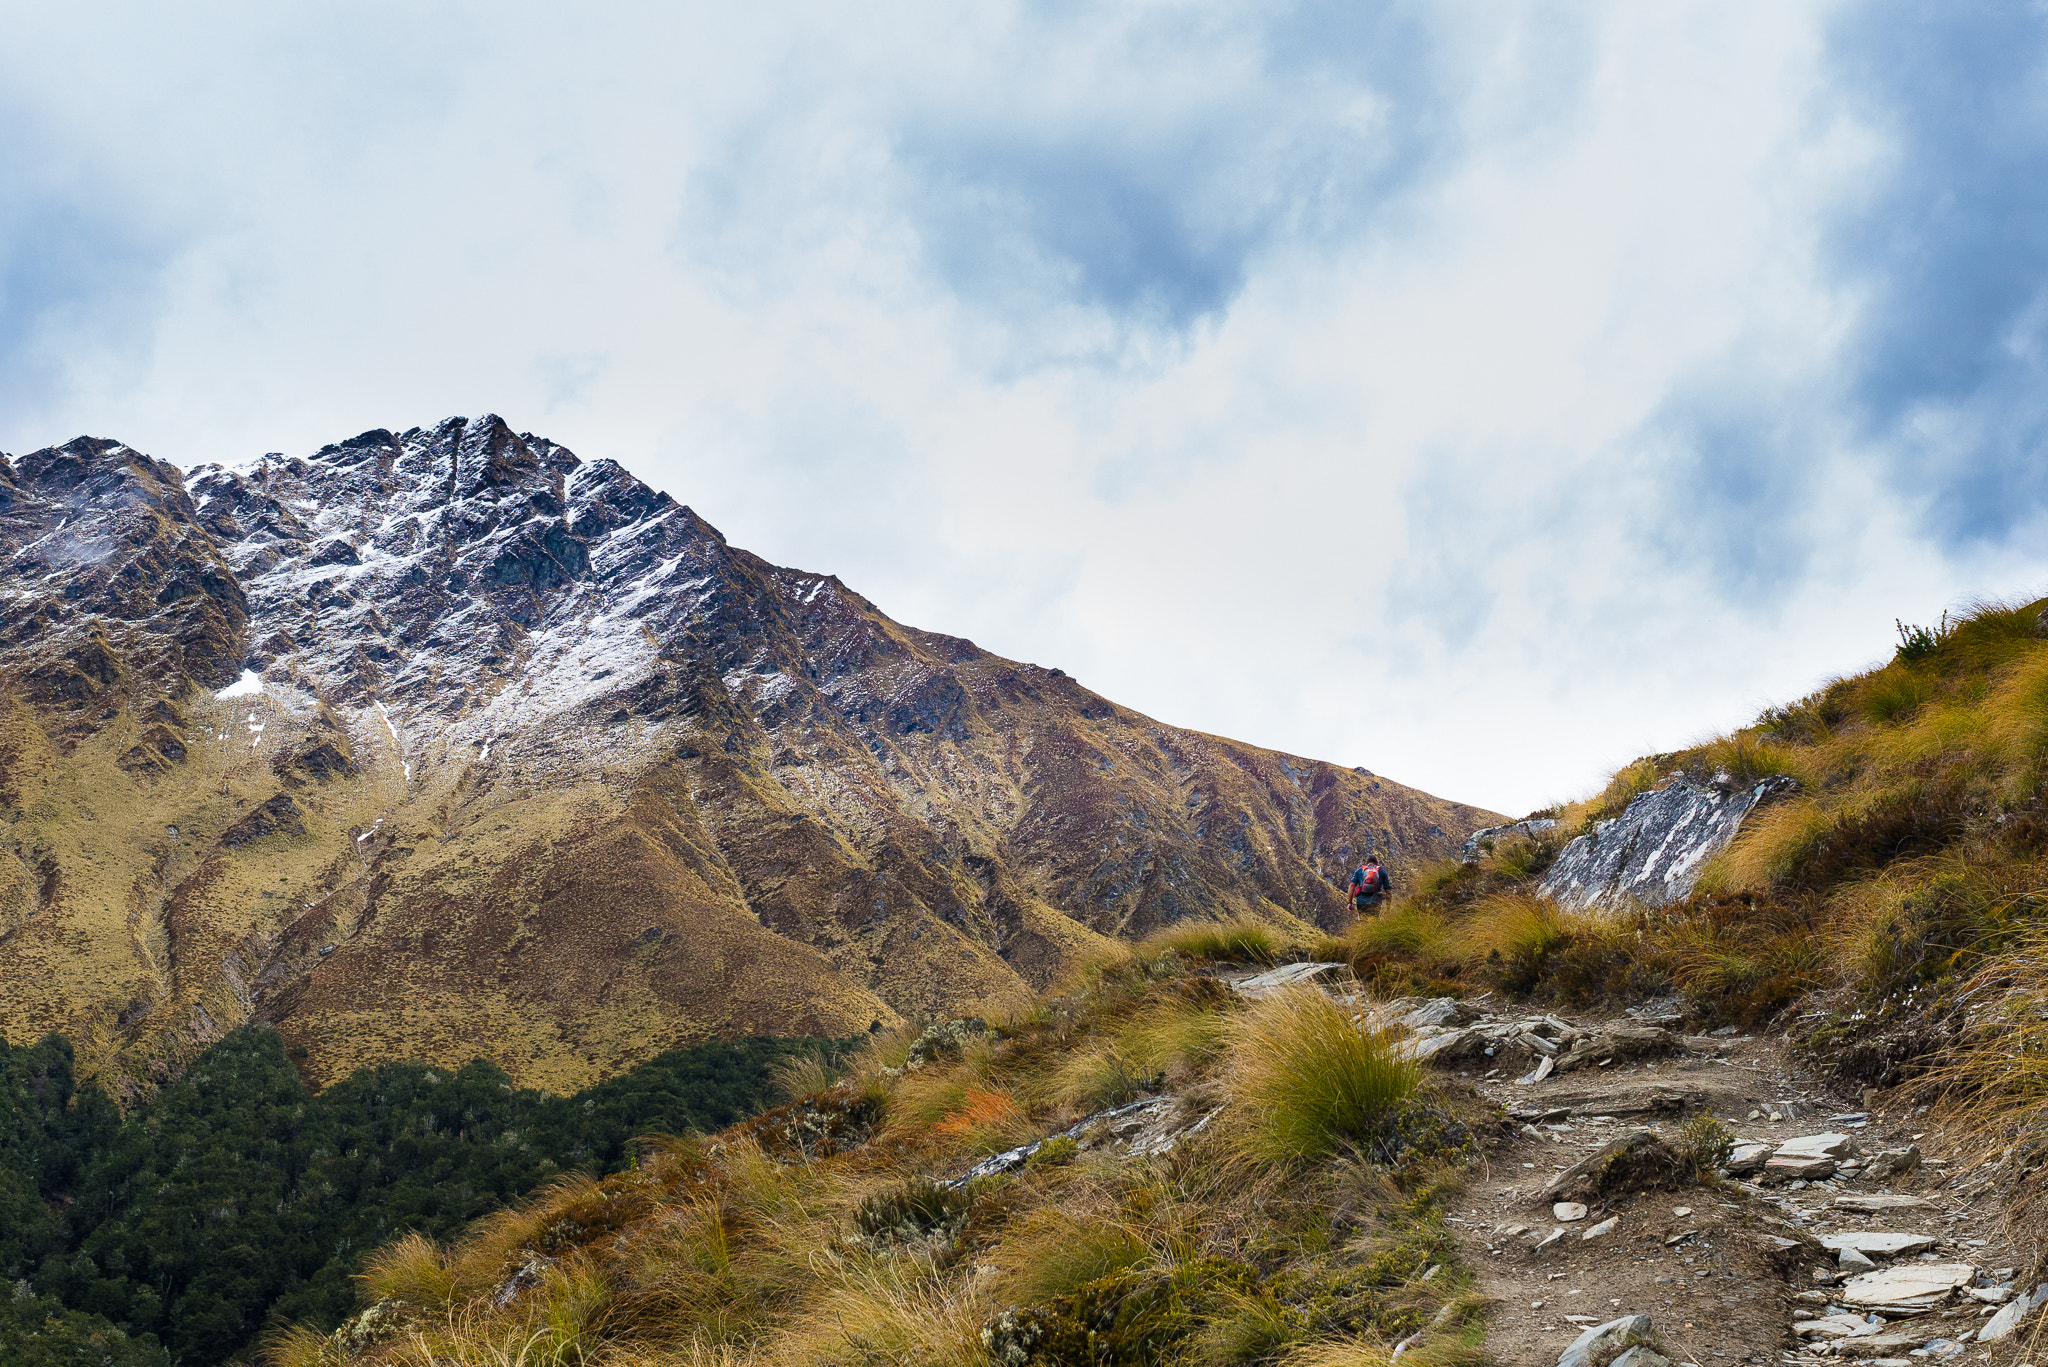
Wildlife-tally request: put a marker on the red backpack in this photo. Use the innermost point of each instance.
(1366, 880)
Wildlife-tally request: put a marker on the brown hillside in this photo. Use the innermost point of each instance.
(542, 769)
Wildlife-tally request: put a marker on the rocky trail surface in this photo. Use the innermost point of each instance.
(1832, 1232)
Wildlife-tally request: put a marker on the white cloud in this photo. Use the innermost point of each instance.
(1462, 391)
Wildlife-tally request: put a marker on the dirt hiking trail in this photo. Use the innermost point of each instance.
(1574, 1217)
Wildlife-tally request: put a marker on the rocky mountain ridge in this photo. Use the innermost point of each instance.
(445, 742)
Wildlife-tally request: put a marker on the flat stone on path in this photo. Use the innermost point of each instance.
(1817, 1146)
(1568, 1211)
(1873, 1205)
(1603, 1227)
(1797, 1167)
(1834, 1327)
(2004, 1322)
(1918, 1286)
(1853, 1260)
(1874, 1244)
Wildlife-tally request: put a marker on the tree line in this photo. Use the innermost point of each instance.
(237, 1198)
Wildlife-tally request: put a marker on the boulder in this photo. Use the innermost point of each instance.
(1451, 1046)
(1835, 1327)
(1893, 1163)
(1621, 1041)
(1854, 1260)
(1642, 1355)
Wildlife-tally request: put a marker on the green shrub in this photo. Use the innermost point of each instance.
(1704, 1144)
(1055, 1152)
(913, 1211)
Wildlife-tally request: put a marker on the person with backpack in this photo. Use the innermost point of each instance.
(1369, 886)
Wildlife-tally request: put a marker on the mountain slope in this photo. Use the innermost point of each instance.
(540, 768)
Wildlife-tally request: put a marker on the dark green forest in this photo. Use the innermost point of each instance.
(236, 1198)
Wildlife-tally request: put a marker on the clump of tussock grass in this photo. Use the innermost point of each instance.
(1309, 1082)
(1052, 1252)
(1241, 941)
(802, 1075)
(1515, 935)
(1416, 928)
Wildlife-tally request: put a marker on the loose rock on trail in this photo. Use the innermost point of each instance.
(1831, 1233)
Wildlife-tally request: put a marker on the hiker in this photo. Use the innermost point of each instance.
(1369, 886)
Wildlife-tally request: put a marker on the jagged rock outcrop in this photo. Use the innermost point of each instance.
(525, 760)
(1484, 839)
(1653, 852)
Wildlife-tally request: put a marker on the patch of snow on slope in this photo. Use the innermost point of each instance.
(395, 740)
(250, 685)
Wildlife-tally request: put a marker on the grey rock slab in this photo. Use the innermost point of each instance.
(1535, 1075)
(1606, 1226)
(1818, 1146)
(1642, 1355)
(1893, 1163)
(1879, 1244)
(1273, 979)
(1854, 1260)
(1877, 1205)
(1416, 1012)
(1907, 1284)
(1882, 1347)
(1010, 1160)
(2002, 1324)
(1565, 1212)
(1748, 1160)
(1783, 1169)
(1653, 852)
(1835, 1327)
(1604, 1342)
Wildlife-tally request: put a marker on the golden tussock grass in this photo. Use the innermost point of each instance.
(719, 1253)
(1308, 1082)
(1242, 941)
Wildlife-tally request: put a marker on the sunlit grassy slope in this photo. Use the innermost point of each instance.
(1302, 1224)
(1888, 912)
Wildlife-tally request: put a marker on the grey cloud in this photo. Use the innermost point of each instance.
(1950, 247)
(78, 266)
(1080, 215)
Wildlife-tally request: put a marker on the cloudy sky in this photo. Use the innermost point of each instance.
(1482, 393)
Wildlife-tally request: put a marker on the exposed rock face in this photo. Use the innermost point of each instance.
(533, 764)
(1484, 838)
(1653, 851)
